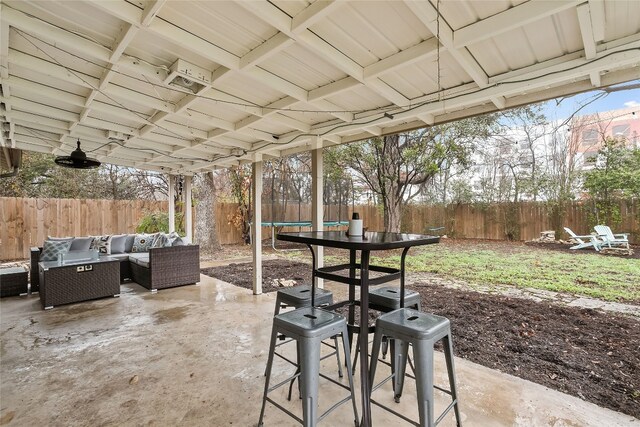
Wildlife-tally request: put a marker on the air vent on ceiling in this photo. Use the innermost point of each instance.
(117, 136)
(188, 77)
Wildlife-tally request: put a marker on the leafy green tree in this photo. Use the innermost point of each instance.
(615, 175)
(39, 176)
(394, 167)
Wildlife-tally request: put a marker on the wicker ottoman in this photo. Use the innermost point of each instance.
(13, 281)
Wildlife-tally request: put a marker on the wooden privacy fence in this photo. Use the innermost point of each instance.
(521, 221)
(27, 222)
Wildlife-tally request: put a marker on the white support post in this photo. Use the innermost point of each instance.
(188, 221)
(256, 229)
(172, 204)
(317, 204)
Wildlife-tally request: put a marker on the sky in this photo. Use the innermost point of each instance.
(613, 101)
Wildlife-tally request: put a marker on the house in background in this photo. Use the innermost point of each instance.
(590, 131)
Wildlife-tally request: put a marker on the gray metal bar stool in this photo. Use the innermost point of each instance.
(308, 326)
(386, 299)
(420, 330)
(300, 296)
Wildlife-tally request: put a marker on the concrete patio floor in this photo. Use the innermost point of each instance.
(195, 355)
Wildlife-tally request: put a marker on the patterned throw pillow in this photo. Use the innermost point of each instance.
(53, 248)
(160, 241)
(94, 242)
(174, 239)
(102, 244)
(142, 242)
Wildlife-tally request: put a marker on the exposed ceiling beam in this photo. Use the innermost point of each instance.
(515, 17)
(150, 11)
(596, 8)
(312, 14)
(404, 58)
(266, 50)
(586, 30)
(429, 16)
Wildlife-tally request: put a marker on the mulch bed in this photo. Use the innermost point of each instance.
(582, 352)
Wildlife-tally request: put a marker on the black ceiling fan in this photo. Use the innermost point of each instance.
(77, 160)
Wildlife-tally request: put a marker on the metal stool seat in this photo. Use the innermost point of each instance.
(308, 326)
(420, 330)
(300, 296)
(387, 298)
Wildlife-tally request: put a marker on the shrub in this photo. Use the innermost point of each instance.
(158, 221)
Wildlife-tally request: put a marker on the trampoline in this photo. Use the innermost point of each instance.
(276, 224)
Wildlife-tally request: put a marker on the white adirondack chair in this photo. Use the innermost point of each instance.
(609, 239)
(589, 241)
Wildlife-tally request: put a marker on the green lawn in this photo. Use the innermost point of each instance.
(605, 277)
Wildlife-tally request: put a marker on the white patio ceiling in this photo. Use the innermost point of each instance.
(273, 76)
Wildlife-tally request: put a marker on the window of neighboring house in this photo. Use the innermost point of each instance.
(590, 157)
(621, 130)
(589, 136)
(524, 145)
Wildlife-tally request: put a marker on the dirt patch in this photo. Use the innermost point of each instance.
(241, 274)
(583, 352)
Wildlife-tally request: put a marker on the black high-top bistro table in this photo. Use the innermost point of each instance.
(372, 241)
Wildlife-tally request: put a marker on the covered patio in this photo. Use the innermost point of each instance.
(182, 88)
(192, 356)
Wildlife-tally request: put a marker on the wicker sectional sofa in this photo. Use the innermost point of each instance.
(159, 268)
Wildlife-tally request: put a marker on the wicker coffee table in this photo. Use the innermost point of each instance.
(79, 280)
(13, 281)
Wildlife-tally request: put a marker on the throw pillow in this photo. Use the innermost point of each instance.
(174, 239)
(128, 245)
(118, 243)
(81, 244)
(160, 241)
(142, 242)
(178, 241)
(103, 244)
(54, 248)
(94, 242)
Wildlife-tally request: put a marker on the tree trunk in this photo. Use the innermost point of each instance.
(206, 234)
(392, 217)
(392, 211)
